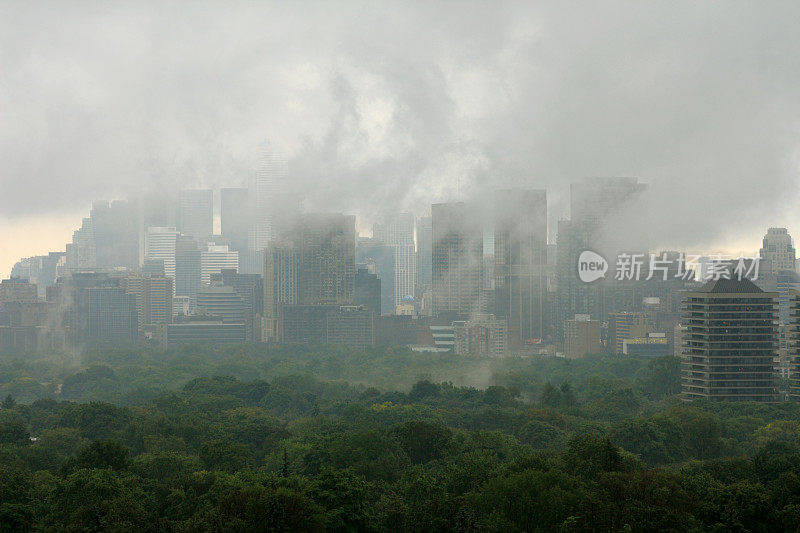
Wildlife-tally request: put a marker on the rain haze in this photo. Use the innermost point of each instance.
(395, 106)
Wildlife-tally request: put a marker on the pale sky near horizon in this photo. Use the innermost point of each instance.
(395, 105)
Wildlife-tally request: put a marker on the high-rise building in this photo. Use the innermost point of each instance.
(483, 335)
(155, 209)
(457, 259)
(250, 288)
(221, 302)
(202, 330)
(109, 238)
(424, 255)
(196, 213)
(187, 269)
(594, 200)
(777, 252)
(159, 244)
(625, 325)
(280, 284)
(379, 259)
(116, 234)
(397, 231)
(41, 270)
(214, 258)
(81, 252)
(325, 246)
(520, 262)
(100, 310)
(350, 325)
(581, 337)
(730, 342)
(368, 290)
(270, 202)
(233, 217)
(153, 297)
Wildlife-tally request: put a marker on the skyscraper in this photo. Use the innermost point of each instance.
(196, 213)
(457, 259)
(326, 258)
(730, 342)
(777, 252)
(424, 254)
(280, 284)
(233, 217)
(270, 203)
(368, 290)
(187, 269)
(160, 243)
(214, 258)
(379, 259)
(109, 238)
(397, 231)
(520, 262)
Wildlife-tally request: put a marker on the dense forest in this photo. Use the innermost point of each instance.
(319, 438)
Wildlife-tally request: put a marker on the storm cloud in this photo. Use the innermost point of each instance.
(396, 105)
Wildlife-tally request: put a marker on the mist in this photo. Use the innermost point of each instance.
(396, 106)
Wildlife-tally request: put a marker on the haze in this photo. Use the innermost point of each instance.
(399, 105)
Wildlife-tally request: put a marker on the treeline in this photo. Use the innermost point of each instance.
(296, 453)
(131, 376)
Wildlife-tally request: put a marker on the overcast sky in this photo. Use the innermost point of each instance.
(383, 105)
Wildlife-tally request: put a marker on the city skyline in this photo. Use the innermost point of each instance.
(373, 115)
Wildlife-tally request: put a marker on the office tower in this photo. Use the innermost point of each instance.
(346, 325)
(109, 238)
(160, 243)
(352, 326)
(280, 284)
(520, 262)
(424, 255)
(153, 297)
(593, 201)
(250, 288)
(187, 269)
(100, 311)
(154, 267)
(221, 302)
(214, 258)
(26, 322)
(116, 234)
(457, 259)
(155, 209)
(777, 252)
(581, 337)
(41, 270)
(81, 252)
(379, 259)
(483, 335)
(18, 290)
(396, 228)
(368, 290)
(326, 258)
(624, 326)
(233, 217)
(397, 231)
(270, 202)
(202, 330)
(729, 342)
(196, 214)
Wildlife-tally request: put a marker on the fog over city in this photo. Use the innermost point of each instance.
(398, 106)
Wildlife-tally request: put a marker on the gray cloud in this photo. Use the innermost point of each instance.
(397, 105)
